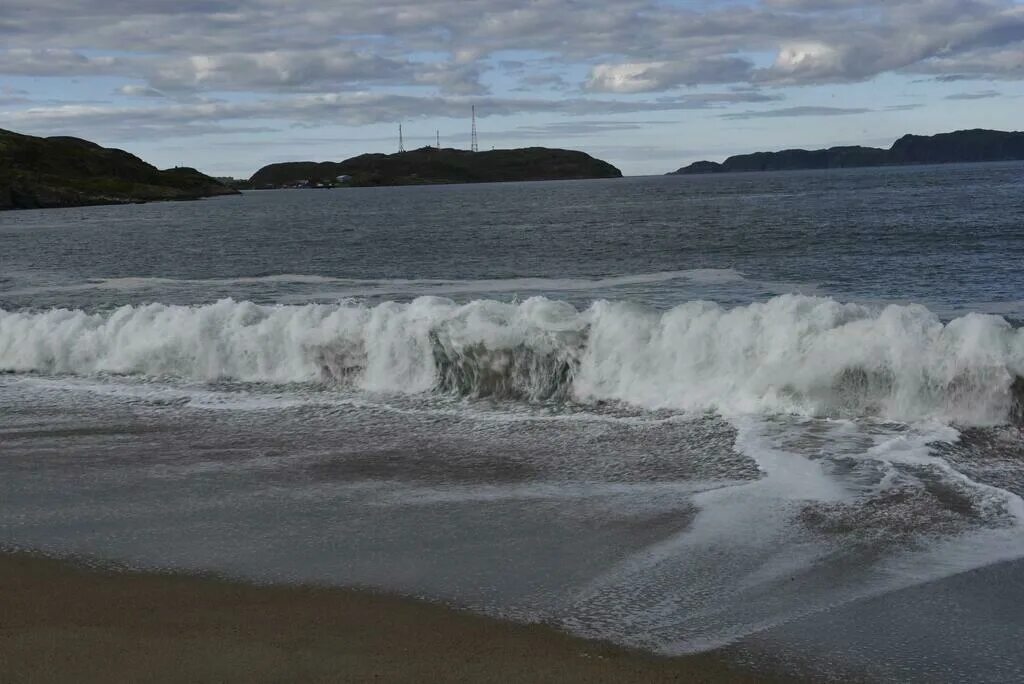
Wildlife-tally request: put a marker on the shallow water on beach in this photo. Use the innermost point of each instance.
(678, 413)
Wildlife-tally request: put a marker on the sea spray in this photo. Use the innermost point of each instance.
(804, 355)
(791, 354)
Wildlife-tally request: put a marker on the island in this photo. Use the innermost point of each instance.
(977, 145)
(431, 165)
(40, 173)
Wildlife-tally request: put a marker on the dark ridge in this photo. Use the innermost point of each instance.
(429, 165)
(1017, 401)
(976, 145)
(67, 172)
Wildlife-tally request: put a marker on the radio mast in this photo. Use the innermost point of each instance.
(474, 144)
(401, 139)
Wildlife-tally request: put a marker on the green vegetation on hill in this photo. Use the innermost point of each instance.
(430, 165)
(976, 145)
(65, 172)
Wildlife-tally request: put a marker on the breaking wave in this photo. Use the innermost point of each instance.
(791, 354)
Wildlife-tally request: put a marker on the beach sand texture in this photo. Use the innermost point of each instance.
(66, 622)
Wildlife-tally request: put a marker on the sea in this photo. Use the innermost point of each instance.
(778, 414)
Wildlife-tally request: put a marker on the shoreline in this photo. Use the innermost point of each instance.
(117, 202)
(62, 620)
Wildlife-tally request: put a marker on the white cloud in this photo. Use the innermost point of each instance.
(661, 76)
(625, 78)
(802, 60)
(136, 90)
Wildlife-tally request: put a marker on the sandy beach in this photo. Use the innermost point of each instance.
(62, 621)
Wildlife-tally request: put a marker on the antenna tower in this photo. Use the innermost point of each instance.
(438, 139)
(473, 142)
(401, 139)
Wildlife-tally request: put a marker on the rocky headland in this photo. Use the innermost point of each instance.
(430, 165)
(977, 145)
(40, 173)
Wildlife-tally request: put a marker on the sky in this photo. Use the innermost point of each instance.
(649, 85)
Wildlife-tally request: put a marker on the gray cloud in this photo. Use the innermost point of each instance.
(978, 95)
(629, 45)
(989, 63)
(57, 61)
(345, 108)
(529, 82)
(948, 78)
(787, 112)
(311, 61)
(272, 70)
(579, 127)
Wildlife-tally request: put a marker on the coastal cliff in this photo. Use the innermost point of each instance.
(429, 165)
(975, 145)
(66, 172)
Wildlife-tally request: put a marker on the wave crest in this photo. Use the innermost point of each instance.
(791, 354)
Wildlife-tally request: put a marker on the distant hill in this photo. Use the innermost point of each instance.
(976, 145)
(66, 172)
(430, 165)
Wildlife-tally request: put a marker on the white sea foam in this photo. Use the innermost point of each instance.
(792, 354)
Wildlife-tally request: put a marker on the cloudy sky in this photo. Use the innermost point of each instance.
(646, 84)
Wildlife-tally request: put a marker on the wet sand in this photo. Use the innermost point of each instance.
(62, 621)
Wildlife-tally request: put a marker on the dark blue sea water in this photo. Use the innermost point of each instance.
(680, 412)
(951, 237)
